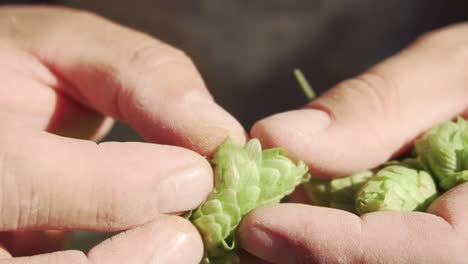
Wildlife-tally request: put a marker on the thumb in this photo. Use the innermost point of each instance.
(366, 120)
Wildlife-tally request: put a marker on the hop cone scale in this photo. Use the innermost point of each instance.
(443, 150)
(245, 178)
(396, 188)
(336, 193)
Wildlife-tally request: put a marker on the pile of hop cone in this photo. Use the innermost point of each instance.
(439, 163)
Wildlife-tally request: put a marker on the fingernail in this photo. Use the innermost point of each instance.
(301, 122)
(185, 188)
(292, 130)
(212, 124)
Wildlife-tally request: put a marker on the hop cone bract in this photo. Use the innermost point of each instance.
(245, 178)
(443, 150)
(336, 193)
(396, 188)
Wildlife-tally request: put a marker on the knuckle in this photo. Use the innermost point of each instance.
(118, 213)
(375, 104)
(114, 216)
(154, 59)
(10, 216)
(112, 208)
(19, 203)
(113, 213)
(153, 54)
(377, 94)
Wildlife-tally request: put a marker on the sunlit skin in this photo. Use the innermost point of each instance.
(66, 75)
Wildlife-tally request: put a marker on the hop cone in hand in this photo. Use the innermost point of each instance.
(443, 150)
(336, 193)
(245, 178)
(396, 188)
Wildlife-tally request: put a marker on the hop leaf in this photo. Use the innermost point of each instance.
(245, 178)
(443, 150)
(336, 193)
(396, 188)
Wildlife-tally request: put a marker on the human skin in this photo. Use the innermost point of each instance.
(65, 76)
(359, 124)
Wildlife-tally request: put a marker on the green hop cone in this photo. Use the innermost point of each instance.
(443, 150)
(245, 178)
(336, 193)
(396, 188)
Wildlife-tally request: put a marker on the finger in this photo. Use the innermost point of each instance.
(50, 182)
(366, 120)
(167, 240)
(125, 74)
(451, 206)
(35, 104)
(295, 233)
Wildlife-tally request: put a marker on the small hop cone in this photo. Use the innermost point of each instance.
(396, 188)
(245, 178)
(336, 193)
(443, 150)
(279, 176)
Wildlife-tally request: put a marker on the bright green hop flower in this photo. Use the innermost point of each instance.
(443, 150)
(340, 193)
(245, 178)
(336, 193)
(396, 188)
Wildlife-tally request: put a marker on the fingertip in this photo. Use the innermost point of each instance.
(169, 239)
(292, 129)
(257, 238)
(305, 134)
(189, 119)
(294, 233)
(330, 147)
(302, 124)
(213, 126)
(189, 188)
(290, 233)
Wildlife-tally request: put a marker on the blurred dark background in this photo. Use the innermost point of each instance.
(246, 50)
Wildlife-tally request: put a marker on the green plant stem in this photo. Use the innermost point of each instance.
(305, 86)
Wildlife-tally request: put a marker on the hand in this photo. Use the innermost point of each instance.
(62, 72)
(359, 124)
